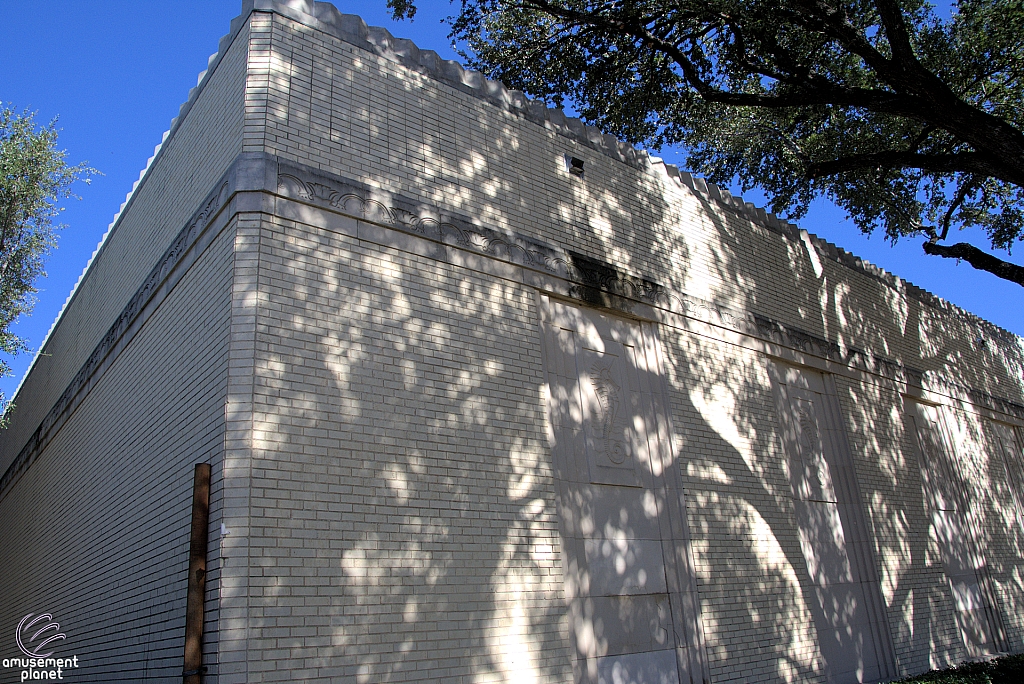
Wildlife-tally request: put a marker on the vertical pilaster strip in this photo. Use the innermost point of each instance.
(196, 596)
(233, 651)
(234, 540)
(257, 82)
(842, 585)
(618, 480)
(861, 535)
(691, 622)
(950, 499)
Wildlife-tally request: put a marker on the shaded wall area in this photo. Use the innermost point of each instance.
(403, 513)
(362, 115)
(360, 104)
(379, 391)
(97, 529)
(419, 358)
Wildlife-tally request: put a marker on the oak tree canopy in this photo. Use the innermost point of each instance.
(34, 177)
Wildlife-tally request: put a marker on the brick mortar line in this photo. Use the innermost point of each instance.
(188, 246)
(592, 280)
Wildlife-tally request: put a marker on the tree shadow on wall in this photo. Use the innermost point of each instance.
(409, 505)
(401, 462)
(404, 477)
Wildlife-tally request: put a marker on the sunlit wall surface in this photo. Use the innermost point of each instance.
(479, 414)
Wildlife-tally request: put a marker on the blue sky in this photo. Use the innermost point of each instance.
(116, 72)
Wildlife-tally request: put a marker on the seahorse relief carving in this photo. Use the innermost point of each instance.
(815, 469)
(609, 396)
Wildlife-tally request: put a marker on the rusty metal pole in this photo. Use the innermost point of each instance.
(192, 673)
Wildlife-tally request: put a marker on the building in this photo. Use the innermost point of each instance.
(488, 396)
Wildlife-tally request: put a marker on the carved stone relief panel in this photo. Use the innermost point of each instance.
(629, 581)
(844, 592)
(945, 493)
(610, 399)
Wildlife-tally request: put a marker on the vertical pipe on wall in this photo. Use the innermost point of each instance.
(193, 668)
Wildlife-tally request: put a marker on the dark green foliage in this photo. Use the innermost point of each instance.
(910, 122)
(33, 178)
(1006, 670)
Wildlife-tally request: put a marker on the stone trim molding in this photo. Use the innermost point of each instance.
(917, 380)
(253, 178)
(591, 280)
(352, 29)
(187, 245)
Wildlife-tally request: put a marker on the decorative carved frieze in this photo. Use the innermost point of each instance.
(163, 268)
(590, 280)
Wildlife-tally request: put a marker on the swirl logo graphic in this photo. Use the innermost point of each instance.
(41, 638)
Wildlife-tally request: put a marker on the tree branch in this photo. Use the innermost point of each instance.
(910, 91)
(958, 200)
(819, 92)
(929, 98)
(978, 259)
(819, 17)
(962, 162)
(896, 32)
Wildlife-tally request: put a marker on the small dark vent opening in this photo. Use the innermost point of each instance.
(574, 165)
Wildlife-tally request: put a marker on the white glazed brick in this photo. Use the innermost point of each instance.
(402, 501)
(377, 414)
(410, 135)
(920, 617)
(97, 529)
(191, 161)
(757, 625)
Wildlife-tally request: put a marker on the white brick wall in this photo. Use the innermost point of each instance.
(411, 136)
(191, 161)
(373, 403)
(96, 531)
(403, 516)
